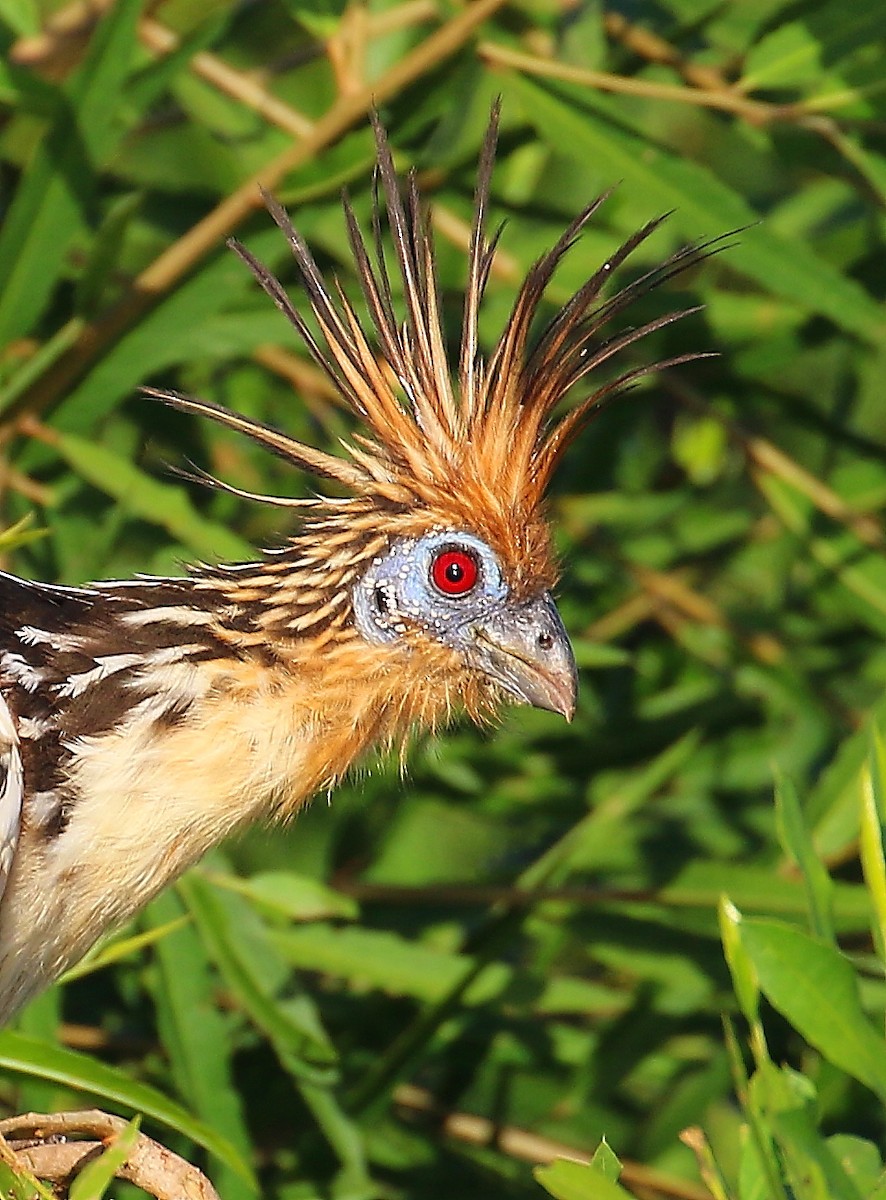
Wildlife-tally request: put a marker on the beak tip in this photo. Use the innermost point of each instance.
(551, 693)
(527, 653)
(565, 705)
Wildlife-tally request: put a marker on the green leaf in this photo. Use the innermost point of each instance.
(873, 824)
(240, 947)
(568, 1180)
(787, 57)
(797, 842)
(605, 1160)
(786, 1101)
(93, 1180)
(15, 1185)
(298, 897)
(50, 204)
(700, 448)
(105, 254)
(744, 977)
(41, 1018)
(859, 1158)
(141, 496)
(22, 16)
(18, 1184)
(400, 967)
(320, 18)
(180, 327)
(862, 574)
(42, 1060)
(815, 988)
(702, 205)
(19, 534)
(757, 889)
(871, 166)
(195, 1034)
(801, 51)
(120, 948)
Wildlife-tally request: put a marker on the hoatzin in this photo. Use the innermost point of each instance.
(142, 722)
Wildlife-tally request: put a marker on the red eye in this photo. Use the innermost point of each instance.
(454, 572)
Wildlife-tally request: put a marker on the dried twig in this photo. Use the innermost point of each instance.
(668, 588)
(655, 49)
(175, 262)
(236, 84)
(765, 456)
(758, 112)
(532, 1147)
(55, 1146)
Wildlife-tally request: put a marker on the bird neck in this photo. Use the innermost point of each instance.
(299, 593)
(293, 611)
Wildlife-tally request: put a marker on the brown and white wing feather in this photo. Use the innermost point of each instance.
(11, 792)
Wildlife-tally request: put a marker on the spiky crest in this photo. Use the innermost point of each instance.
(480, 457)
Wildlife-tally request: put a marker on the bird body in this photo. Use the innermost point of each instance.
(139, 731)
(143, 722)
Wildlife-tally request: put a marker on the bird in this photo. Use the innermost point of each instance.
(144, 721)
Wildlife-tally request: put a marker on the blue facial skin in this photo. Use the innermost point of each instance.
(520, 646)
(397, 592)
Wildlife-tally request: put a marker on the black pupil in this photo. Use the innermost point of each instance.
(454, 572)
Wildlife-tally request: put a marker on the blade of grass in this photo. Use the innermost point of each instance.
(179, 259)
(42, 1060)
(873, 823)
(701, 203)
(51, 203)
(96, 1177)
(196, 1036)
(796, 839)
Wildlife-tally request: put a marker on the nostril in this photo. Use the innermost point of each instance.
(545, 641)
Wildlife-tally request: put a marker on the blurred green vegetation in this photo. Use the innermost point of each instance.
(526, 927)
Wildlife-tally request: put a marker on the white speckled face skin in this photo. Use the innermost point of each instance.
(398, 592)
(521, 645)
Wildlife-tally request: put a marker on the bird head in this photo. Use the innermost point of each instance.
(439, 552)
(451, 587)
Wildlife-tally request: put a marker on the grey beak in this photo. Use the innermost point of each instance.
(526, 650)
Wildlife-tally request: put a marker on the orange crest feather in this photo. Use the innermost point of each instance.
(478, 456)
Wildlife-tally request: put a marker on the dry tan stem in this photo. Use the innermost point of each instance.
(59, 44)
(766, 456)
(695, 1139)
(36, 1139)
(531, 1147)
(655, 49)
(237, 84)
(709, 89)
(624, 617)
(175, 262)
(769, 458)
(67, 31)
(314, 389)
(755, 111)
(18, 481)
(669, 589)
(346, 49)
(413, 12)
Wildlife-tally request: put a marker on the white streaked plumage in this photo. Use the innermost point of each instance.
(105, 665)
(11, 792)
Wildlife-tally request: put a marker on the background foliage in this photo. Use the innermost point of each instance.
(525, 929)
